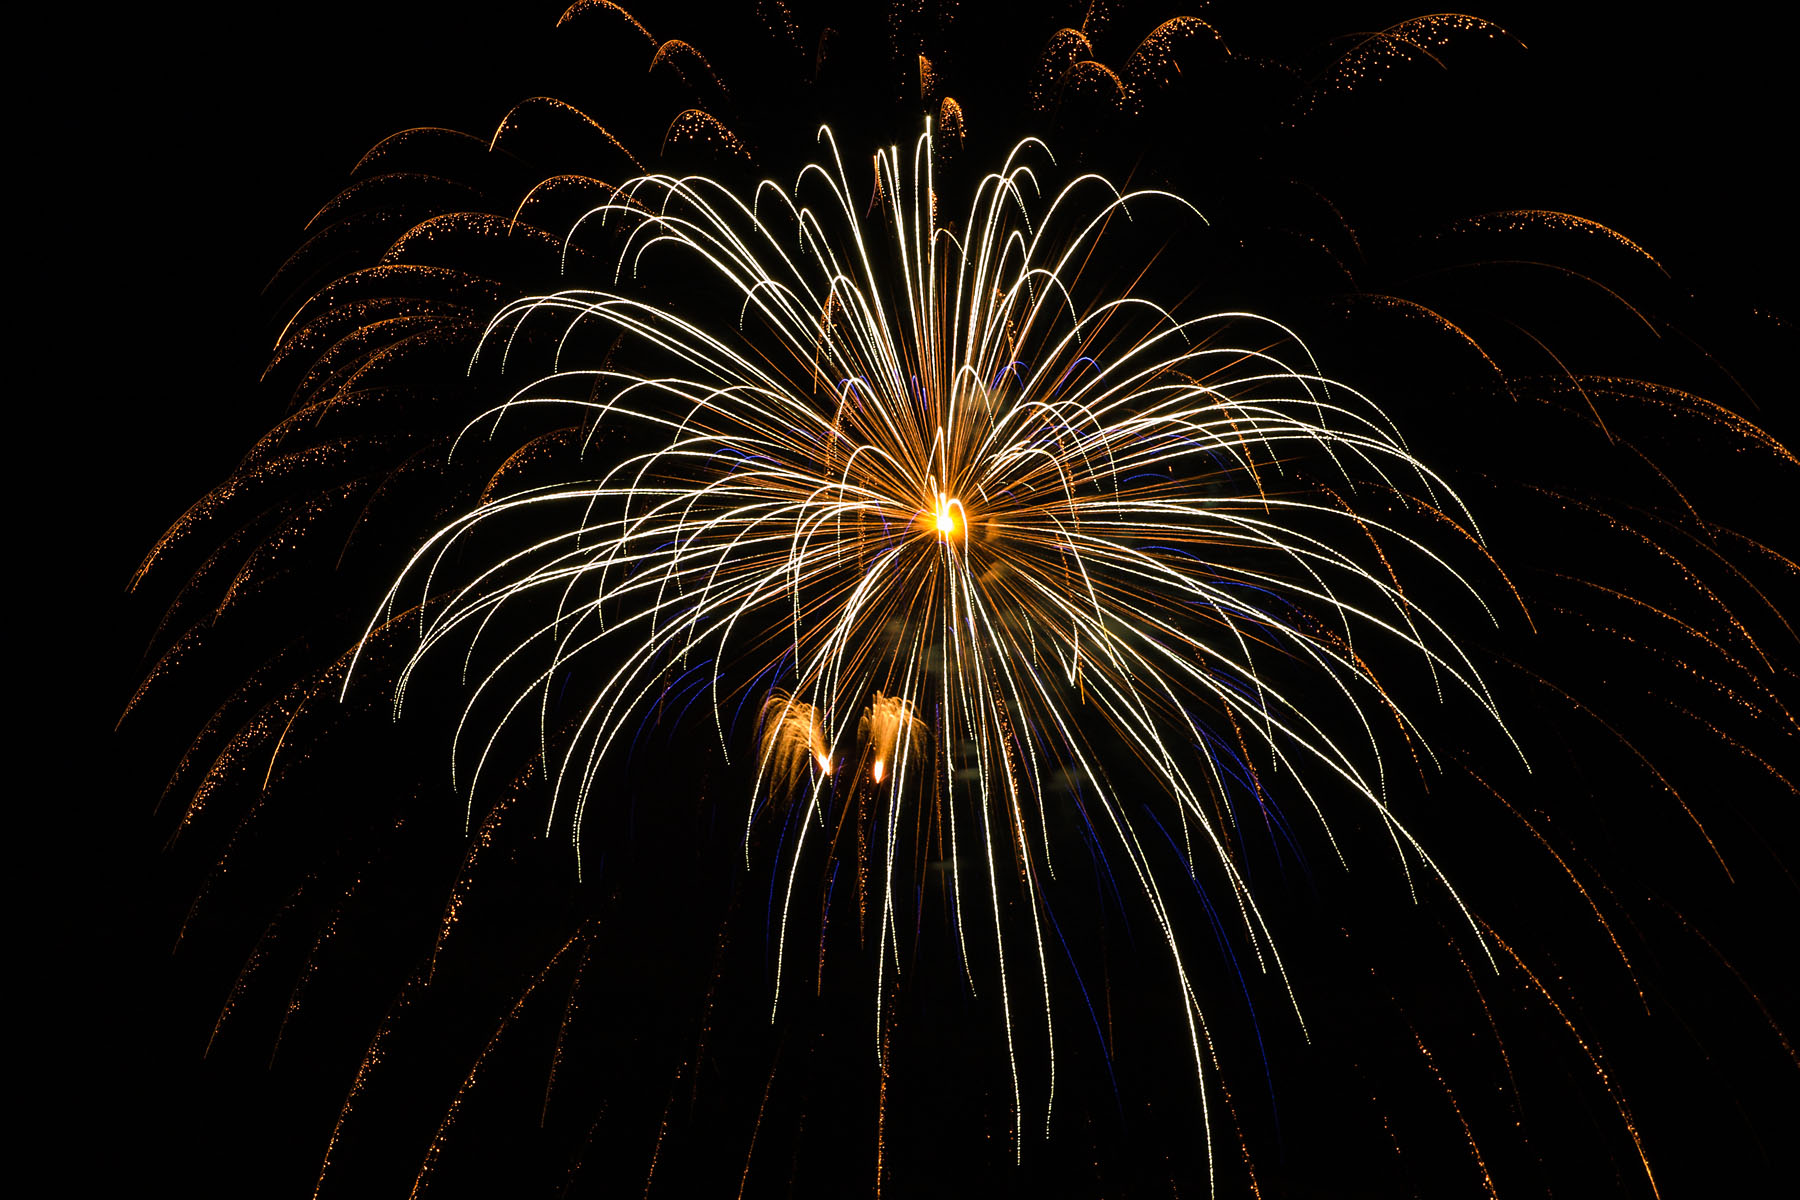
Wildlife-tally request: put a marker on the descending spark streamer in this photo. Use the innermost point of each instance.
(961, 536)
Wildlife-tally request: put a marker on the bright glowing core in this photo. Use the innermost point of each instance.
(949, 521)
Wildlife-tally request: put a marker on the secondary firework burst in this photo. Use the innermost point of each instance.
(962, 559)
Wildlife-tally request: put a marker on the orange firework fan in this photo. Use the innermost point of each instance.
(940, 600)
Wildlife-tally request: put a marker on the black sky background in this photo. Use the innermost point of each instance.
(215, 134)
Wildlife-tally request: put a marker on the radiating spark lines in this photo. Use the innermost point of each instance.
(972, 546)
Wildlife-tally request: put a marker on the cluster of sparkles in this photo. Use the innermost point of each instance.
(964, 547)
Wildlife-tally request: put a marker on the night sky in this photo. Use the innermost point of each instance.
(218, 136)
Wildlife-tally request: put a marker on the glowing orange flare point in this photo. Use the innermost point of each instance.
(949, 521)
(880, 768)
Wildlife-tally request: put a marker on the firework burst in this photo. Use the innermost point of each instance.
(930, 514)
(928, 631)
